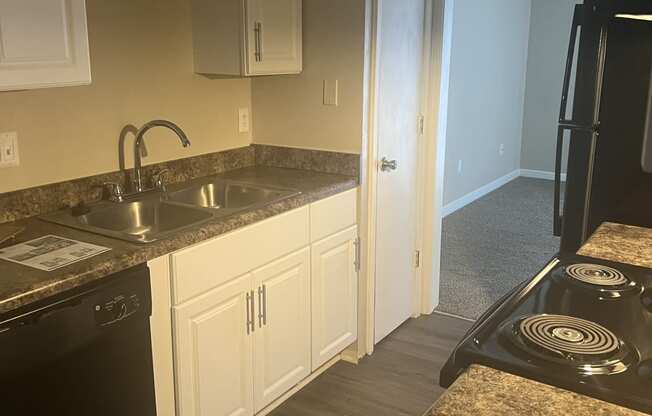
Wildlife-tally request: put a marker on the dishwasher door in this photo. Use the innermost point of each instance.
(83, 353)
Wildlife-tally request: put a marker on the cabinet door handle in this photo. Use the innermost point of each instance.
(253, 323)
(264, 305)
(258, 41)
(249, 319)
(260, 307)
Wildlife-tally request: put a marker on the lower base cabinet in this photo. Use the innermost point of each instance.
(214, 350)
(249, 325)
(242, 345)
(282, 335)
(334, 295)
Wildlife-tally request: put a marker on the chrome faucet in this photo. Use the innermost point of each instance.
(137, 180)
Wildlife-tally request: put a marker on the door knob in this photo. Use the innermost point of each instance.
(388, 165)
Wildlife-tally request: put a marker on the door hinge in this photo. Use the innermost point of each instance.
(421, 120)
(356, 262)
(417, 259)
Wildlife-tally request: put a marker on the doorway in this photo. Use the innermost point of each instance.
(500, 148)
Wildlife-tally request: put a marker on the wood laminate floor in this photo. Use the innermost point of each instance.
(399, 378)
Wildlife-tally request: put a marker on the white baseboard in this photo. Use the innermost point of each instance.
(479, 193)
(492, 186)
(541, 174)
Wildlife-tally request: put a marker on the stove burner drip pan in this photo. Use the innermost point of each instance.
(604, 281)
(577, 344)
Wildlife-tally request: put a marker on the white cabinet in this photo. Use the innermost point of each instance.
(273, 33)
(257, 310)
(214, 351)
(334, 295)
(282, 335)
(44, 43)
(247, 37)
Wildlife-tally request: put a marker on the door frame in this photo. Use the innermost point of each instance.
(430, 166)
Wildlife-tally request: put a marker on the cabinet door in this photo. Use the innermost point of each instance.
(282, 336)
(273, 37)
(214, 352)
(44, 44)
(334, 295)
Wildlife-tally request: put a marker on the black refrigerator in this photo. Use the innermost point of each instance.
(610, 58)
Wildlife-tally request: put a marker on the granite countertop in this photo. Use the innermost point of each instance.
(20, 285)
(483, 391)
(620, 243)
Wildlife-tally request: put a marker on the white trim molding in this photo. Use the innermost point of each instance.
(479, 193)
(492, 186)
(541, 174)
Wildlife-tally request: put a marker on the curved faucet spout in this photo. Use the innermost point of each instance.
(138, 182)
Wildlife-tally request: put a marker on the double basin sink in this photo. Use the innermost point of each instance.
(154, 215)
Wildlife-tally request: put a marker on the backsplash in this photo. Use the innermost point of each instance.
(47, 198)
(316, 160)
(29, 202)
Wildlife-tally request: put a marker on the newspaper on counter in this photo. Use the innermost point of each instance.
(50, 252)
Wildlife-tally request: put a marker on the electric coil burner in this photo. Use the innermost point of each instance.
(600, 279)
(583, 346)
(581, 324)
(596, 275)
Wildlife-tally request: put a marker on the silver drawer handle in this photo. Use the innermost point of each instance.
(258, 40)
(388, 165)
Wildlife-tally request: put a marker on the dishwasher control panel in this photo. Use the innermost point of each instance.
(116, 309)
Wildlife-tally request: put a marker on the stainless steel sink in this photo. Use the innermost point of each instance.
(150, 216)
(143, 220)
(228, 197)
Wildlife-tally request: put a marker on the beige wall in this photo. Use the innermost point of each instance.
(288, 110)
(141, 57)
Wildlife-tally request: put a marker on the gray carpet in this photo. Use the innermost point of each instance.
(494, 243)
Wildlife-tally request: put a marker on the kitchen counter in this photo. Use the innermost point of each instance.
(621, 243)
(483, 391)
(20, 285)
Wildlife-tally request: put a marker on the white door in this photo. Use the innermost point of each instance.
(399, 55)
(282, 335)
(273, 37)
(214, 352)
(44, 44)
(334, 295)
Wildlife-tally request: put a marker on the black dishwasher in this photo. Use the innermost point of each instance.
(84, 352)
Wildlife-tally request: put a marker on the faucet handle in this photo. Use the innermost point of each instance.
(113, 191)
(158, 179)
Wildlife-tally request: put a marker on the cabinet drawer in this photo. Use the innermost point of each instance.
(333, 214)
(212, 263)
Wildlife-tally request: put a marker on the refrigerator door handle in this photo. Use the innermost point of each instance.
(563, 122)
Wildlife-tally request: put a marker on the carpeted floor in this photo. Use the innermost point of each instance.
(494, 243)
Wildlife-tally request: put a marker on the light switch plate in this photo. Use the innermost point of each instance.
(243, 120)
(331, 92)
(9, 149)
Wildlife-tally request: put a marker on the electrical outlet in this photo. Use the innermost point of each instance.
(501, 149)
(9, 149)
(243, 120)
(459, 167)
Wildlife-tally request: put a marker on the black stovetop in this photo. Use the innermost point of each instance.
(591, 333)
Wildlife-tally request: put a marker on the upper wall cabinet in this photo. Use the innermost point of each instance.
(247, 37)
(43, 43)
